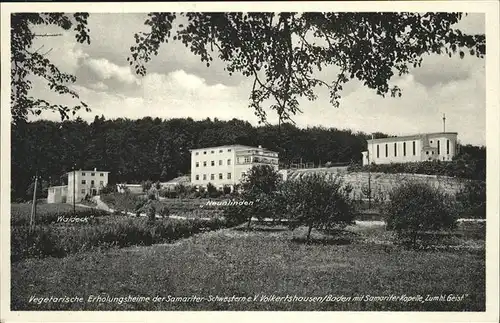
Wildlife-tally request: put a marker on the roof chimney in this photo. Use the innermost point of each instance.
(95, 169)
(260, 146)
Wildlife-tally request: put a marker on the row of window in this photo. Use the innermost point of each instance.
(212, 151)
(93, 174)
(212, 163)
(92, 182)
(413, 149)
(212, 176)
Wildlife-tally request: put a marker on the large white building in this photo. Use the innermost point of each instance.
(82, 183)
(226, 165)
(415, 148)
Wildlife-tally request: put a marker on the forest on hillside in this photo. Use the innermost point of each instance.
(156, 149)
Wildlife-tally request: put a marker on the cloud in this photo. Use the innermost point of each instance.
(106, 70)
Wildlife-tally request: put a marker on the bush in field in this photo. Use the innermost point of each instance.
(417, 211)
(108, 189)
(226, 189)
(151, 213)
(123, 202)
(318, 203)
(471, 200)
(146, 185)
(164, 211)
(181, 190)
(212, 191)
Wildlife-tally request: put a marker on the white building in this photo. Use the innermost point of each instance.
(85, 182)
(57, 194)
(415, 148)
(226, 165)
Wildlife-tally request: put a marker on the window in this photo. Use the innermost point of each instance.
(220, 175)
(220, 151)
(229, 161)
(204, 153)
(229, 150)
(432, 152)
(439, 147)
(92, 182)
(196, 153)
(386, 150)
(427, 153)
(212, 163)
(83, 174)
(395, 149)
(83, 191)
(228, 175)
(247, 159)
(378, 152)
(197, 177)
(197, 164)
(204, 177)
(414, 149)
(84, 181)
(212, 152)
(431, 141)
(92, 174)
(204, 164)
(101, 174)
(404, 148)
(212, 177)
(447, 147)
(220, 162)
(101, 183)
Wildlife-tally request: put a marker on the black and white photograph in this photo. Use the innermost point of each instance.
(270, 157)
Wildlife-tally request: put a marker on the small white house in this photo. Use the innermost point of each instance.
(57, 194)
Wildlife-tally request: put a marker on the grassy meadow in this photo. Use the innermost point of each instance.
(268, 261)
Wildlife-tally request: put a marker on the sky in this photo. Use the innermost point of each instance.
(179, 85)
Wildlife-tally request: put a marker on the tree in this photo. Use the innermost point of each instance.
(416, 209)
(259, 186)
(283, 51)
(27, 62)
(318, 203)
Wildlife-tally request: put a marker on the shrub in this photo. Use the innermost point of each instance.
(59, 241)
(108, 189)
(318, 203)
(471, 200)
(146, 185)
(164, 211)
(226, 189)
(212, 191)
(151, 213)
(415, 211)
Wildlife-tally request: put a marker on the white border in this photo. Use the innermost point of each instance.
(490, 8)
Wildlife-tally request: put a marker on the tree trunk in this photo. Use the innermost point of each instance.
(309, 233)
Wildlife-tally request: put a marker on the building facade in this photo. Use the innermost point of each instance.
(85, 182)
(227, 165)
(415, 148)
(57, 194)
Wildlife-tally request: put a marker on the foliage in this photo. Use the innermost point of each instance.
(416, 211)
(212, 191)
(146, 185)
(164, 211)
(282, 51)
(49, 213)
(151, 213)
(115, 232)
(474, 169)
(318, 203)
(471, 200)
(27, 62)
(259, 189)
(226, 189)
(108, 189)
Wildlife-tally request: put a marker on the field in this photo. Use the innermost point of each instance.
(266, 261)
